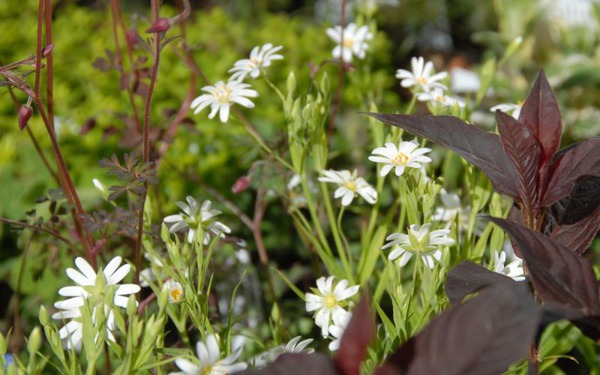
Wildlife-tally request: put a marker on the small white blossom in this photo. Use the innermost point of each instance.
(420, 241)
(175, 291)
(452, 210)
(438, 98)
(407, 154)
(513, 270)
(349, 185)
(193, 216)
(421, 77)
(293, 346)
(464, 81)
(210, 363)
(328, 301)
(221, 96)
(354, 43)
(260, 58)
(512, 109)
(340, 322)
(89, 286)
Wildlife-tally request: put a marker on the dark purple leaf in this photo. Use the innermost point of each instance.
(485, 335)
(467, 278)
(480, 148)
(297, 364)
(541, 115)
(356, 338)
(582, 202)
(523, 149)
(559, 276)
(578, 237)
(579, 162)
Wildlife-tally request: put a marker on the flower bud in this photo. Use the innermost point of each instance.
(35, 341)
(240, 185)
(47, 50)
(25, 113)
(160, 26)
(131, 36)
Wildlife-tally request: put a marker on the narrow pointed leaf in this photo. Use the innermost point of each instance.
(522, 147)
(541, 115)
(356, 338)
(297, 364)
(478, 147)
(485, 335)
(467, 277)
(559, 276)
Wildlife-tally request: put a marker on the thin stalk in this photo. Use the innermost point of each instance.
(340, 85)
(336, 234)
(34, 228)
(274, 88)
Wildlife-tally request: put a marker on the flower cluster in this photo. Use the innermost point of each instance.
(351, 41)
(223, 95)
(328, 302)
(420, 241)
(92, 288)
(194, 217)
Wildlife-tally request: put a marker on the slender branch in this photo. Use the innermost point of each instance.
(49, 64)
(340, 85)
(34, 229)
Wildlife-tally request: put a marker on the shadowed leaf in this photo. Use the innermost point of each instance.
(541, 115)
(582, 202)
(580, 235)
(356, 338)
(523, 149)
(297, 364)
(467, 278)
(484, 335)
(480, 148)
(559, 276)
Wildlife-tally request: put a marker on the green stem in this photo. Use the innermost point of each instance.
(313, 214)
(274, 88)
(336, 234)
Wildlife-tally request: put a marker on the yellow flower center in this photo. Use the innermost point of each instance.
(176, 294)
(422, 80)
(348, 42)
(207, 370)
(329, 301)
(223, 95)
(401, 159)
(350, 185)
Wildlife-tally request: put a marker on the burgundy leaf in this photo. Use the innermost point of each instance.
(580, 235)
(558, 274)
(356, 338)
(523, 149)
(480, 148)
(467, 278)
(541, 115)
(580, 161)
(582, 202)
(484, 335)
(297, 364)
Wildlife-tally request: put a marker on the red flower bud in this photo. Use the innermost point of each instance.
(131, 36)
(160, 26)
(240, 185)
(25, 113)
(47, 50)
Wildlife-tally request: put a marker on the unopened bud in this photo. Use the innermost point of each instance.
(131, 36)
(240, 185)
(25, 113)
(35, 341)
(47, 50)
(160, 26)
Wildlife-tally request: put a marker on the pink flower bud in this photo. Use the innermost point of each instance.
(160, 26)
(47, 50)
(240, 185)
(25, 113)
(131, 36)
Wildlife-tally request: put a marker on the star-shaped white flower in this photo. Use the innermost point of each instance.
(221, 96)
(420, 77)
(210, 362)
(194, 216)
(293, 346)
(349, 185)
(260, 58)
(328, 301)
(91, 287)
(340, 322)
(514, 269)
(407, 154)
(509, 108)
(438, 98)
(354, 43)
(420, 241)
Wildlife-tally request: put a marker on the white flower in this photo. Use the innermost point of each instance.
(464, 81)
(194, 216)
(512, 109)
(451, 210)
(438, 98)
(175, 291)
(328, 301)
(355, 41)
(349, 185)
(293, 346)
(405, 155)
(221, 96)
(420, 241)
(514, 269)
(95, 289)
(421, 77)
(340, 322)
(260, 58)
(209, 356)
